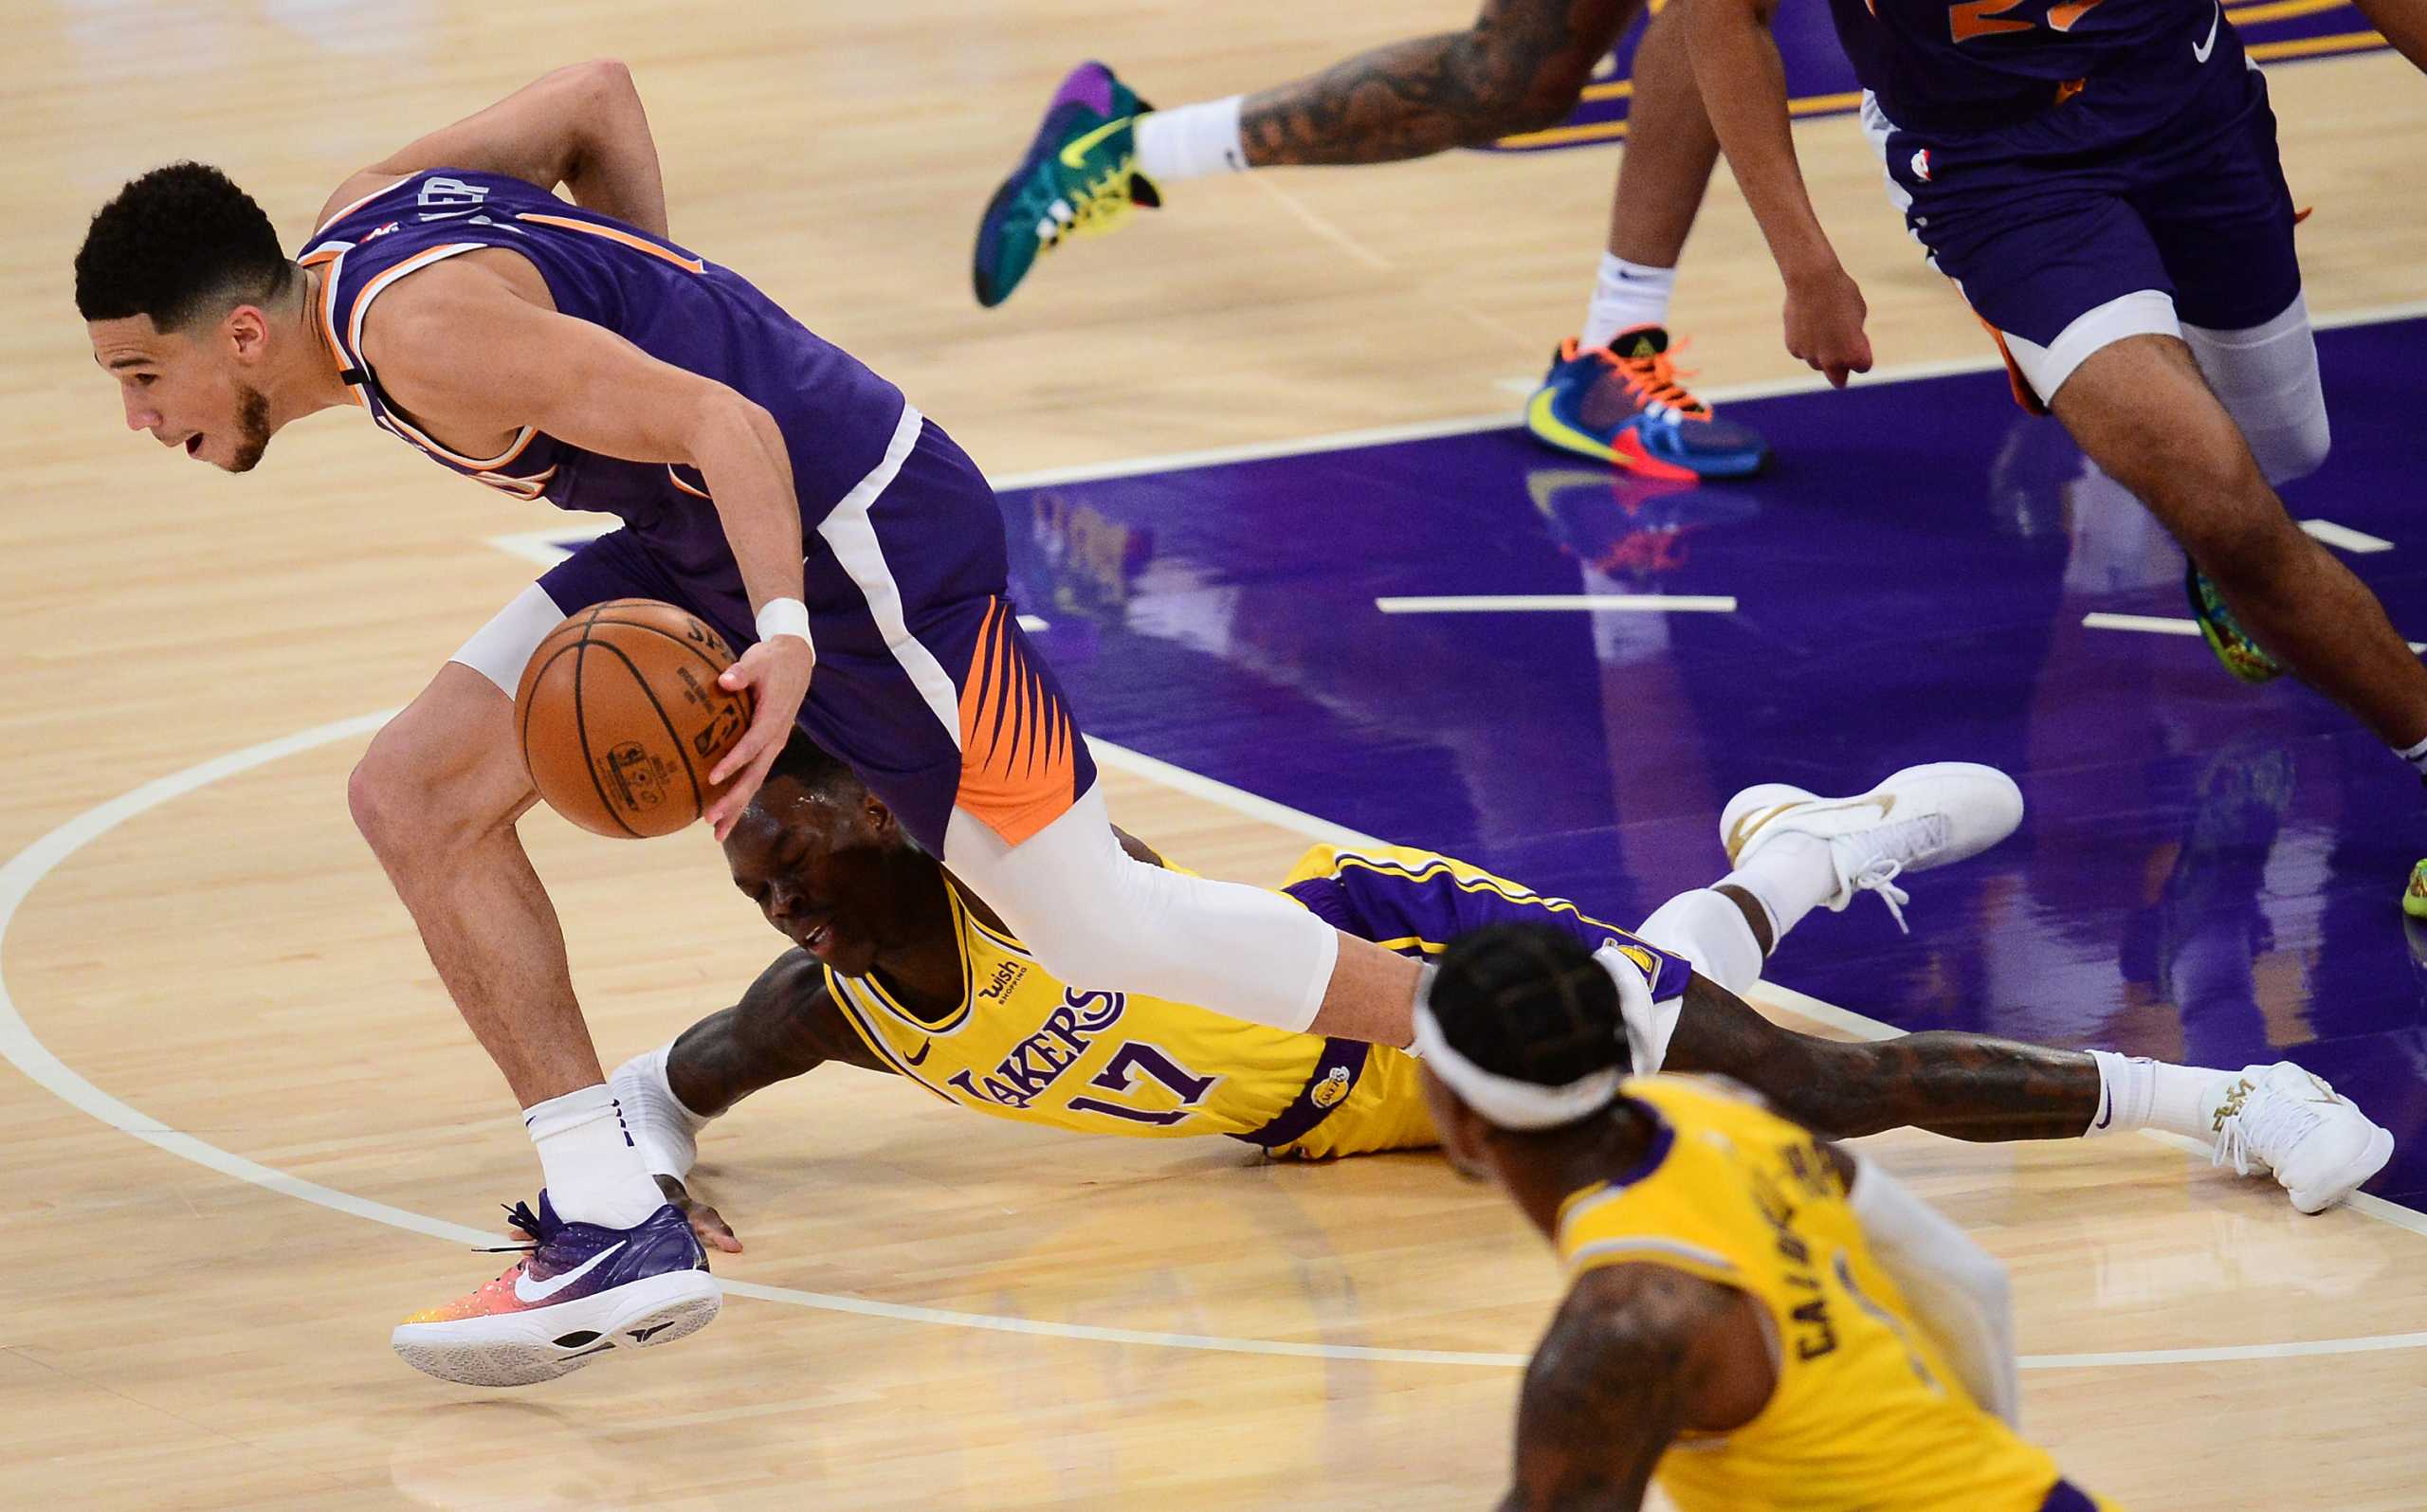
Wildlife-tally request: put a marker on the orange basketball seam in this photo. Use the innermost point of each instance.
(581, 729)
(684, 642)
(698, 798)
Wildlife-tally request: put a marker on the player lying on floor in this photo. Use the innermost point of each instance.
(1782, 1313)
(900, 968)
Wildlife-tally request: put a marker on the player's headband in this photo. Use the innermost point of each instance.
(1502, 1100)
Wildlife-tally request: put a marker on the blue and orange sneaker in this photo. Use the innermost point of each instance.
(2243, 657)
(581, 1291)
(1622, 404)
(1079, 178)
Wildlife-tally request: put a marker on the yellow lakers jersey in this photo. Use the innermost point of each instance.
(1024, 1045)
(1865, 1414)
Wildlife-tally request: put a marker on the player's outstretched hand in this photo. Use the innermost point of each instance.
(1824, 317)
(706, 1221)
(776, 672)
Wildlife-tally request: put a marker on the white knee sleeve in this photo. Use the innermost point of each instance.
(1100, 920)
(1709, 930)
(2267, 378)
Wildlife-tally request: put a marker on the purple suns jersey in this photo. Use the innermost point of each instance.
(1981, 64)
(838, 416)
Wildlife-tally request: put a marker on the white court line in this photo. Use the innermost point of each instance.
(528, 544)
(1464, 425)
(22, 871)
(27, 868)
(2344, 537)
(2161, 625)
(2146, 624)
(1570, 602)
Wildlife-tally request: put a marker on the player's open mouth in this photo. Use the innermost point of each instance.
(193, 444)
(815, 940)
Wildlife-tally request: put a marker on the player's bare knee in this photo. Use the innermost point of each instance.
(405, 802)
(379, 793)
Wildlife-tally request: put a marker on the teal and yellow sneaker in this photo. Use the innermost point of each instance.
(2413, 898)
(2243, 657)
(1623, 404)
(1080, 179)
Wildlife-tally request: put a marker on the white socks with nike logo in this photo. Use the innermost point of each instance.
(593, 1170)
(2135, 1092)
(1625, 295)
(1195, 141)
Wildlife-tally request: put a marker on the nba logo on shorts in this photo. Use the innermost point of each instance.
(1922, 165)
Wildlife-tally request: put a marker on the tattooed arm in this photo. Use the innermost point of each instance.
(1519, 67)
(1638, 1354)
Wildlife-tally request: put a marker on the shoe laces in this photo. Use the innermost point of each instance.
(1878, 875)
(1093, 205)
(1889, 847)
(2276, 1123)
(521, 1216)
(1654, 378)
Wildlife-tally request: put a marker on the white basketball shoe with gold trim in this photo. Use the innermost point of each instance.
(1921, 817)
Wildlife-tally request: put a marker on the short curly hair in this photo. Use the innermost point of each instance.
(177, 243)
(1528, 1002)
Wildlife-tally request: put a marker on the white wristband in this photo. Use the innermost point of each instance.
(784, 616)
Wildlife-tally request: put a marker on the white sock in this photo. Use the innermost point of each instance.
(1626, 294)
(664, 1129)
(2416, 756)
(1195, 141)
(593, 1172)
(1711, 932)
(1789, 876)
(2135, 1092)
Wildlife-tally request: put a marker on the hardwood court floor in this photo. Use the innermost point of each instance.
(229, 965)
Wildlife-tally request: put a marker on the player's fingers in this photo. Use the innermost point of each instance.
(714, 1231)
(742, 674)
(764, 736)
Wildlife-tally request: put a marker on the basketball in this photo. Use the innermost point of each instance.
(621, 720)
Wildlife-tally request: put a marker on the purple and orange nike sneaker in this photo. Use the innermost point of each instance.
(581, 1291)
(1622, 404)
(1079, 177)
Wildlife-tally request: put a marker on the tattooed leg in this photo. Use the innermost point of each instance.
(1519, 67)
(1966, 1086)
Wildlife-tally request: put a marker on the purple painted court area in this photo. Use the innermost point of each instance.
(2209, 872)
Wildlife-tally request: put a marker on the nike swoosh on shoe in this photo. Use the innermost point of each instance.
(526, 1290)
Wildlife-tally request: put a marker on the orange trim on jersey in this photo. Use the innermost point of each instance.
(1018, 770)
(396, 422)
(2023, 394)
(333, 257)
(611, 233)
